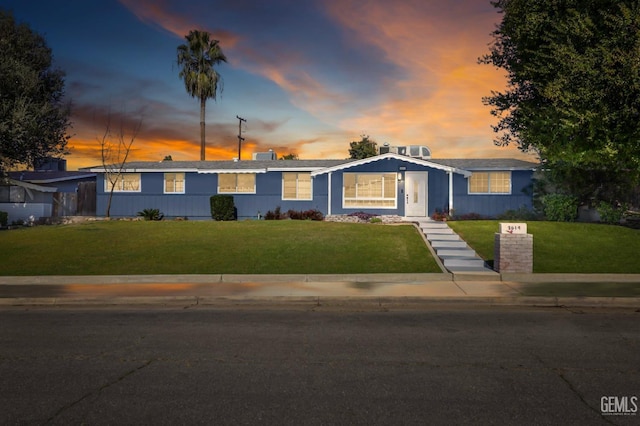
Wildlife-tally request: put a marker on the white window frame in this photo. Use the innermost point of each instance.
(119, 184)
(236, 186)
(491, 175)
(360, 202)
(297, 196)
(175, 179)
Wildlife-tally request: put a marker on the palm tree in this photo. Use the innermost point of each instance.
(197, 58)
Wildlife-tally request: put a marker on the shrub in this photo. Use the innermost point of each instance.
(375, 220)
(440, 216)
(276, 214)
(609, 213)
(4, 219)
(522, 213)
(560, 208)
(151, 214)
(468, 216)
(222, 207)
(363, 216)
(312, 214)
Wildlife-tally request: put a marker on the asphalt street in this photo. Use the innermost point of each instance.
(438, 363)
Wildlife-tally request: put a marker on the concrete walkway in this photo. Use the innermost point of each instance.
(452, 252)
(377, 289)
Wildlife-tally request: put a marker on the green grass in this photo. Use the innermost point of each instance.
(565, 247)
(208, 247)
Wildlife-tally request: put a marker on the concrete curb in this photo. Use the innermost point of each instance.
(373, 278)
(311, 301)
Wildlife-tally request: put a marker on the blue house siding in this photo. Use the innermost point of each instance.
(195, 202)
(493, 205)
(437, 189)
(200, 185)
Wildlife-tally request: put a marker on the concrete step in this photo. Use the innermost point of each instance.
(456, 262)
(443, 237)
(433, 225)
(456, 252)
(438, 231)
(437, 244)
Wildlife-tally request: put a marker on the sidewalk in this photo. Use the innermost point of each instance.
(380, 289)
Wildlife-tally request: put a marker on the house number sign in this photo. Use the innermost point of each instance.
(513, 228)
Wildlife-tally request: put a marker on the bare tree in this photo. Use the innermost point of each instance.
(115, 147)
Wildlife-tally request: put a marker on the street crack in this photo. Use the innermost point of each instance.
(97, 391)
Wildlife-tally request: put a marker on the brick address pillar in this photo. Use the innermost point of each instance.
(513, 253)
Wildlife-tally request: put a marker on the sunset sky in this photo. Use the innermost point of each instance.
(308, 75)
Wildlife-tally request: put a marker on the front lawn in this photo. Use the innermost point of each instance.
(560, 247)
(208, 247)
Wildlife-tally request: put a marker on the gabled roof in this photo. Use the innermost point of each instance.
(318, 167)
(473, 164)
(426, 163)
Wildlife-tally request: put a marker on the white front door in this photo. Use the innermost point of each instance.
(415, 194)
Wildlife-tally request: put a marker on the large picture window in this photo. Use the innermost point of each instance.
(490, 183)
(125, 182)
(369, 190)
(296, 186)
(174, 183)
(232, 183)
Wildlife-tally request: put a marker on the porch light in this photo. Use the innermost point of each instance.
(399, 176)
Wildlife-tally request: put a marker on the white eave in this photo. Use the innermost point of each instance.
(141, 170)
(210, 171)
(390, 156)
(294, 169)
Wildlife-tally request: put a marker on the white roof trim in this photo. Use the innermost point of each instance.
(140, 170)
(205, 171)
(294, 169)
(391, 156)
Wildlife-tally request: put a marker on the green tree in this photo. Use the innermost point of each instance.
(290, 156)
(33, 116)
(363, 148)
(197, 58)
(573, 94)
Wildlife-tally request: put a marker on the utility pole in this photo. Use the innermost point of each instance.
(240, 138)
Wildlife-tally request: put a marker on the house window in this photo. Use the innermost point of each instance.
(490, 183)
(369, 190)
(12, 194)
(174, 183)
(296, 186)
(243, 183)
(125, 182)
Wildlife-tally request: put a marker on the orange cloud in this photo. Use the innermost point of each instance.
(439, 100)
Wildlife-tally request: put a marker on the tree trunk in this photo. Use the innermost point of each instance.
(203, 102)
